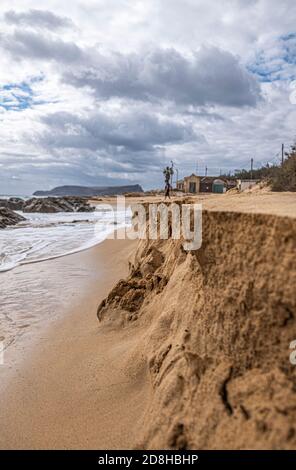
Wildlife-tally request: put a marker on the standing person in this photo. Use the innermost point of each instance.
(168, 172)
(167, 191)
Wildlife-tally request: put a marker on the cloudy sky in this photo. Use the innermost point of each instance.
(109, 91)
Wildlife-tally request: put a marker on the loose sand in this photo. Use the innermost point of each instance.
(191, 350)
(282, 204)
(75, 390)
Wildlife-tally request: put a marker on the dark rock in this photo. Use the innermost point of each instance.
(14, 203)
(51, 205)
(8, 217)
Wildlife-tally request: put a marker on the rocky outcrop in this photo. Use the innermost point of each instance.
(48, 205)
(14, 203)
(214, 328)
(8, 217)
(54, 205)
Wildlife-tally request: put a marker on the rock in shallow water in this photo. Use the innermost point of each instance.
(48, 205)
(14, 203)
(8, 217)
(54, 205)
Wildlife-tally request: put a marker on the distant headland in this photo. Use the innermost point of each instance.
(90, 191)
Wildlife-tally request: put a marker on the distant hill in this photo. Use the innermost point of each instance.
(90, 191)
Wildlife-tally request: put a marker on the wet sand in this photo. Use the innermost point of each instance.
(36, 295)
(66, 385)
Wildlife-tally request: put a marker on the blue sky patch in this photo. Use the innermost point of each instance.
(18, 96)
(15, 96)
(279, 67)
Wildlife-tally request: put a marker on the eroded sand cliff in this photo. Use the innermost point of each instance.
(213, 329)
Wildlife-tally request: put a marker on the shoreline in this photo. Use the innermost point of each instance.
(46, 293)
(73, 405)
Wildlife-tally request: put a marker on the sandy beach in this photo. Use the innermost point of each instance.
(148, 232)
(190, 350)
(66, 385)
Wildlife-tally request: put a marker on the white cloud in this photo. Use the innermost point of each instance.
(207, 76)
(37, 19)
(114, 89)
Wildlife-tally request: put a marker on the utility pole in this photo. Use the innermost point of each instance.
(252, 165)
(206, 171)
(283, 153)
(196, 168)
(172, 172)
(177, 176)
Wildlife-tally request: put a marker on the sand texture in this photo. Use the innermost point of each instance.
(75, 389)
(218, 323)
(172, 349)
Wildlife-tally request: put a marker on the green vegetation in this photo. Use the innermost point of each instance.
(263, 173)
(280, 177)
(284, 178)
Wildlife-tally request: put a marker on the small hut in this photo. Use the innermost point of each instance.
(218, 186)
(206, 184)
(192, 184)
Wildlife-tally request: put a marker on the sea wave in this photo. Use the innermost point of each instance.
(43, 237)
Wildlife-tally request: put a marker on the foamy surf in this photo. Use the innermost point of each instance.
(44, 237)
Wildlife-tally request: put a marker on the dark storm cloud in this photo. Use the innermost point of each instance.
(131, 131)
(27, 44)
(170, 99)
(97, 148)
(37, 18)
(209, 76)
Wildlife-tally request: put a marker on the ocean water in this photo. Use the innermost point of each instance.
(8, 196)
(46, 236)
(35, 291)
